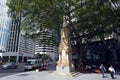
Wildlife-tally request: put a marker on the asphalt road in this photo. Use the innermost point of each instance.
(20, 69)
(8, 72)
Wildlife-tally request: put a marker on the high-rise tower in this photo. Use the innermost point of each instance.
(13, 46)
(5, 21)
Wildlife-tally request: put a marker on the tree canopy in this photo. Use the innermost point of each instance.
(87, 19)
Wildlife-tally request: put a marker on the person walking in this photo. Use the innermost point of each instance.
(103, 70)
(112, 71)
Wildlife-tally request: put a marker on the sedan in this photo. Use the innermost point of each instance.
(11, 65)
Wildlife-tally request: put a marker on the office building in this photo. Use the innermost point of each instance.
(43, 47)
(5, 22)
(13, 45)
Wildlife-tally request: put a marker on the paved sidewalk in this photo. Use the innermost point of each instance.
(45, 75)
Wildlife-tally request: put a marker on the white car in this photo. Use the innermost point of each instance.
(10, 65)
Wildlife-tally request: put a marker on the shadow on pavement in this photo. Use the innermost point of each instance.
(23, 74)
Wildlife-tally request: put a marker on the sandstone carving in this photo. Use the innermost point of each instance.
(64, 49)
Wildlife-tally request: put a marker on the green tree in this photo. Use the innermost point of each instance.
(43, 57)
(87, 19)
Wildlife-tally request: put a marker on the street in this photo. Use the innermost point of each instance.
(7, 72)
(20, 69)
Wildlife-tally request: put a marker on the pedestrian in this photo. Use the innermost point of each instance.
(112, 71)
(102, 70)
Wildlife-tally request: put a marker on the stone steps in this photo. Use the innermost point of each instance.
(73, 74)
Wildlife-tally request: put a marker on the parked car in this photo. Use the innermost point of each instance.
(10, 65)
(1, 63)
(45, 65)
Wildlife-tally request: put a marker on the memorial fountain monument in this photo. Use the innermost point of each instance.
(64, 64)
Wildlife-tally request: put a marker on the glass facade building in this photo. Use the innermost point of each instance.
(13, 46)
(5, 21)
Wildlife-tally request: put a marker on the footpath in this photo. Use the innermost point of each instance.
(46, 75)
